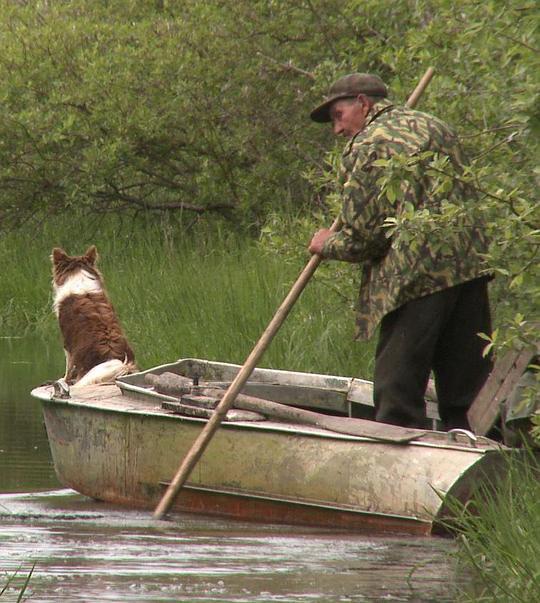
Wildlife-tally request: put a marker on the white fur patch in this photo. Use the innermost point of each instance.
(103, 373)
(80, 283)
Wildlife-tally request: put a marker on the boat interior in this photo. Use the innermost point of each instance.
(326, 394)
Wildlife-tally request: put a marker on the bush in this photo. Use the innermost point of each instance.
(202, 109)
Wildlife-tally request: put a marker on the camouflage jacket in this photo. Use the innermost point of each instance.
(395, 267)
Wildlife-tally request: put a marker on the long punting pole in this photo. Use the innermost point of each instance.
(202, 441)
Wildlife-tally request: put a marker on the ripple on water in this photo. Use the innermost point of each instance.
(90, 551)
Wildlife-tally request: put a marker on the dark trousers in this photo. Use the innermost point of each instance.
(437, 332)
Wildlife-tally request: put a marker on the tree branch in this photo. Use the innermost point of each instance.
(489, 130)
(516, 41)
(506, 140)
(149, 206)
(288, 66)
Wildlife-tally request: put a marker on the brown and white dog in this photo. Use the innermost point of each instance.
(95, 346)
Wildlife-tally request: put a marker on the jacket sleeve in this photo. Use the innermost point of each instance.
(362, 236)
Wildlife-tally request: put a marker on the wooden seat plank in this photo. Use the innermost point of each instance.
(486, 408)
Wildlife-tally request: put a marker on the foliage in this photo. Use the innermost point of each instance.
(536, 429)
(133, 105)
(499, 536)
(200, 108)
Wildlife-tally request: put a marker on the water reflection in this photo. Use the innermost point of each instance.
(88, 551)
(25, 462)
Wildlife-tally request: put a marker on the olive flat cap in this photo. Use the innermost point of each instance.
(349, 86)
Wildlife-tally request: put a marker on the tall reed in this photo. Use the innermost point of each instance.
(499, 537)
(13, 587)
(209, 294)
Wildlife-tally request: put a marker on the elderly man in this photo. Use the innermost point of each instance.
(429, 294)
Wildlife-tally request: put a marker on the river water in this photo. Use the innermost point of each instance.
(86, 551)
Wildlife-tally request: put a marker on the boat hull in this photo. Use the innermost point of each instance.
(121, 450)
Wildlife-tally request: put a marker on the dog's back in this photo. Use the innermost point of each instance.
(96, 348)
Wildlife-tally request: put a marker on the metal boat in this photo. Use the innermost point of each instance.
(123, 442)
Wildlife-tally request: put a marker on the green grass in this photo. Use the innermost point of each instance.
(209, 294)
(13, 582)
(499, 543)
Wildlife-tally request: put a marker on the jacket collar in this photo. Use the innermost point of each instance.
(379, 108)
(383, 106)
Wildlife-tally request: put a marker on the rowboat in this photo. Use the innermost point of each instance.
(123, 442)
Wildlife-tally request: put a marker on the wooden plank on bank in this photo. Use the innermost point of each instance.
(486, 408)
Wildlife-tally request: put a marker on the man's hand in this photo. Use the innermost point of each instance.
(319, 239)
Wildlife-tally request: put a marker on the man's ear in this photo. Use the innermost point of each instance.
(364, 101)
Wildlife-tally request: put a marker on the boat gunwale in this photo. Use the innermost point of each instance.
(267, 425)
(261, 372)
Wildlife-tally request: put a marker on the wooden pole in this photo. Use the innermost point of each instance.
(419, 90)
(202, 441)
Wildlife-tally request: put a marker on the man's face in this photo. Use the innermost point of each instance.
(349, 115)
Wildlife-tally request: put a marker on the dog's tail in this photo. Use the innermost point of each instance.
(106, 372)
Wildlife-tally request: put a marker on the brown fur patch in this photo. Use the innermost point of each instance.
(90, 327)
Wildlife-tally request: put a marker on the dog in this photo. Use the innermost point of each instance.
(96, 349)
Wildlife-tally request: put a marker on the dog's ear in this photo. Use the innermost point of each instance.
(58, 255)
(91, 255)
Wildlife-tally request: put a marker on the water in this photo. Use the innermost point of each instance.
(85, 551)
(25, 461)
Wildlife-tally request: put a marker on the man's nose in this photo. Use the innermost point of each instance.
(338, 128)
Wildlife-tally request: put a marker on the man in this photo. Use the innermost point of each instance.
(428, 289)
